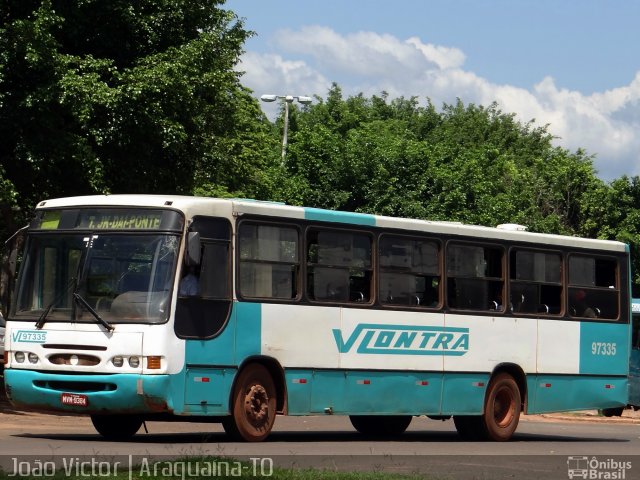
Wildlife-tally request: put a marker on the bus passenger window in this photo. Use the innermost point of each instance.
(269, 262)
(535, 282)
(475, 279)
(593, 287)
(339, 266)
(409, 272)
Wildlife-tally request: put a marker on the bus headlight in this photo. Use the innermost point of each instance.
(33, 358)
(134, 362)
(19, 356)
(117, 361)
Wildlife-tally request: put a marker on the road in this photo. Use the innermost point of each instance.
(540, 448)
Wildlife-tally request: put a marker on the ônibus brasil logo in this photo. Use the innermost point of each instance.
(405, 340)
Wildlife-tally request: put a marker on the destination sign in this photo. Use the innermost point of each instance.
(109, 219)
(121, 221)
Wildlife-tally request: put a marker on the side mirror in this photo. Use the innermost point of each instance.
(192, 255)
(8, 268)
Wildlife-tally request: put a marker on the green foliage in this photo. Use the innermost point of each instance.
(122, 97)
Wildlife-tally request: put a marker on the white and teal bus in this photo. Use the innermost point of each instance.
(137, 308)
(634, 364)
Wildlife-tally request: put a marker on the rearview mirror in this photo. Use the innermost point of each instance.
(192, 255)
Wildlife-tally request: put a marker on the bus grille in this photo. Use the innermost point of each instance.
(66, 386)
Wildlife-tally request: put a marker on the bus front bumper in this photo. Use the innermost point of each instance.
(89, 394)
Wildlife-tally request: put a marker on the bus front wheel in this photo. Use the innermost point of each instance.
(116, 427)
(253, 405)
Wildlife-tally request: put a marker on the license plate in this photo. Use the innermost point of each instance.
(75, 399)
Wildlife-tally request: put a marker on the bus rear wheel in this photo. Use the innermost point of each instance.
(383, 425)
(253, 405)
(613, 412)
(502, 408)
(116, 427)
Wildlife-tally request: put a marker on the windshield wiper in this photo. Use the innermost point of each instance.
(78, 298)
(43, 317)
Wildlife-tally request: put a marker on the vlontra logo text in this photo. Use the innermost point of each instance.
(404, 340)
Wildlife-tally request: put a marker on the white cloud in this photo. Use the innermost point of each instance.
(603, 123)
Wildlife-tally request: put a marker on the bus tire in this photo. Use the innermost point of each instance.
(502, 408)
(613, 412)
(469, 427)
(383, 425)
(116, 427)
(253, 405)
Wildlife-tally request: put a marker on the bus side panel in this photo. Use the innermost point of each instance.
(493, 341)
(634, 378)
(463, 393)
(604, 348)
(581, 365)
(557, 393)
(558, 347)
(363, 392)
(211, 364)
(300, 336)
(240, 339)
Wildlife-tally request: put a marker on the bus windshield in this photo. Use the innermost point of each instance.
(123, 277)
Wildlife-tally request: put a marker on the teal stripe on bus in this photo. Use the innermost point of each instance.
(352, 218)
(558, 393)
(604, 348)
(239, 339)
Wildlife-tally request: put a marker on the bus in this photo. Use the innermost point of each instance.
(634, 363)
(304, 311)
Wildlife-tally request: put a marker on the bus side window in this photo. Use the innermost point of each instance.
(268, 261)
(593, 287)
(409, 272)
(339, 266)
(635, 341)
(535, 282)
(475, 277)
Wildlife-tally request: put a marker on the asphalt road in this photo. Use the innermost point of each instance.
(541, 447)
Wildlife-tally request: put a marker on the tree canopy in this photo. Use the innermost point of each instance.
(112, 97)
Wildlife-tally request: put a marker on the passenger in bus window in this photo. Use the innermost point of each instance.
(190, 284)
(579, 305)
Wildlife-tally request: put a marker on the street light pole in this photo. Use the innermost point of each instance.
(288, 99)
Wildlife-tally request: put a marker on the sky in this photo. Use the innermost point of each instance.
(573, 65)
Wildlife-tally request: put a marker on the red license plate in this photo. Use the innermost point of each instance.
(74, 399)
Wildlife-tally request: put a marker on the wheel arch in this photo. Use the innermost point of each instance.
(520, 378)
(277, 374)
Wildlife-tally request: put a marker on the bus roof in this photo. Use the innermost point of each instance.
(217, 206)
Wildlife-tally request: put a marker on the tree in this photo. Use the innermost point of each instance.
(111, 97)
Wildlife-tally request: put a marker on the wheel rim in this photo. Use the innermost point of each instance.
(256, 405)
(504, 407)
